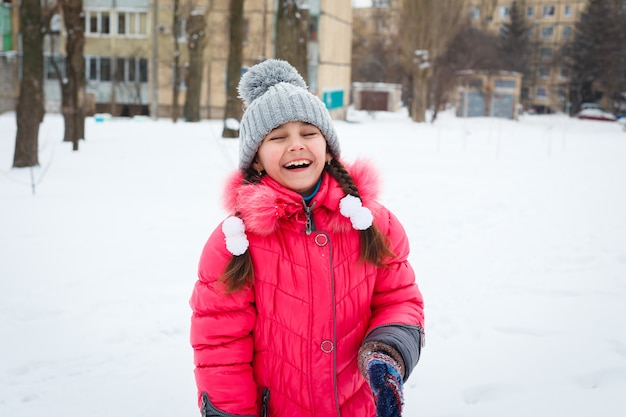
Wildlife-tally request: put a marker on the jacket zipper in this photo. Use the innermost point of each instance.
(265, 402)
(310, 225)
(332, 287)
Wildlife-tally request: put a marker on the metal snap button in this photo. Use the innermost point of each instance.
(321, 239)
(327, 346)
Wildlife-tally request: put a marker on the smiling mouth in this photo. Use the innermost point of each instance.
(302, 163)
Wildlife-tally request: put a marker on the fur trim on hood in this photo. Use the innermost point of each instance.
(261, 206)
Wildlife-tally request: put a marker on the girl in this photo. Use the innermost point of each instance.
(305, 304)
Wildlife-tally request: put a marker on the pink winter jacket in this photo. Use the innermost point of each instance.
(287, 346)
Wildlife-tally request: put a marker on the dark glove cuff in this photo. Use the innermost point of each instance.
(369, 347)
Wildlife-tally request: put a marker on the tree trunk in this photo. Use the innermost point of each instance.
(177, 75)
(196, 30)
(420, 95)
(292, 35)
(73, 87)
(30, 105)
(235, 52)
(433, 24)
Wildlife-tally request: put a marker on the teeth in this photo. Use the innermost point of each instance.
(293, 164)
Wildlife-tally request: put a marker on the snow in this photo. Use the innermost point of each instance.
(232, 123)
(518, 234)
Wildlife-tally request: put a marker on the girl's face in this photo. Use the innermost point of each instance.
(294, 155)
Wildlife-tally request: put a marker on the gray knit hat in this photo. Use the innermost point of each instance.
(275, 93)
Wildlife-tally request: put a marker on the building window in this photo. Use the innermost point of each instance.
(544, 72)
(92, 68)
(530, 11)
(567, 10)
(567, 32)
(122, 69)
(545, 54)
(541, 92)
(142, 64)
(505, 84)
(105, 69)
(475, 83)
(564, 72)
(98, 23)
(132, 23)
(547, 32)
(505, 11)
(380, 3)
(105, 23)
(525, 92)
(121, 23)
(91, 22)
(548, 11)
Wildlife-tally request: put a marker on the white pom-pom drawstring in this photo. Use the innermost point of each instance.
(235, 235)
(352, 208)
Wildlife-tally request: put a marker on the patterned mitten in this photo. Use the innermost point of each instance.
(383, 375)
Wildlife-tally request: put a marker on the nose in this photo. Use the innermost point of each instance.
(296, 143)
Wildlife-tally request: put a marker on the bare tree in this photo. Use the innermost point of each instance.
(177, 23)
(376, 54)
(433, 24)
(470, 49)
(292, 34)
(72, 82)
(196, 42)
(235, 58)
(30, 105)
(73, 86)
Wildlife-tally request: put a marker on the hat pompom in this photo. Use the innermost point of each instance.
(235, 235)
(352, 208)
(261, 77)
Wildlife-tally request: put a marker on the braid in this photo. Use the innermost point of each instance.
(343, 177)
(239, 272)
(374, 247)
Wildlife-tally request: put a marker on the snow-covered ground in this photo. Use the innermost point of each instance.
(518, 233)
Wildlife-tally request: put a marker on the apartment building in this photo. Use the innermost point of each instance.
(552, 22)
(8, 57)
(130, 49)
(6, 26)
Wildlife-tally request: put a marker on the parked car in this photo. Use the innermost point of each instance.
(596, 114)
(586, 106)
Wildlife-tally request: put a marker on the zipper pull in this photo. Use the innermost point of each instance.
(309, 218)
